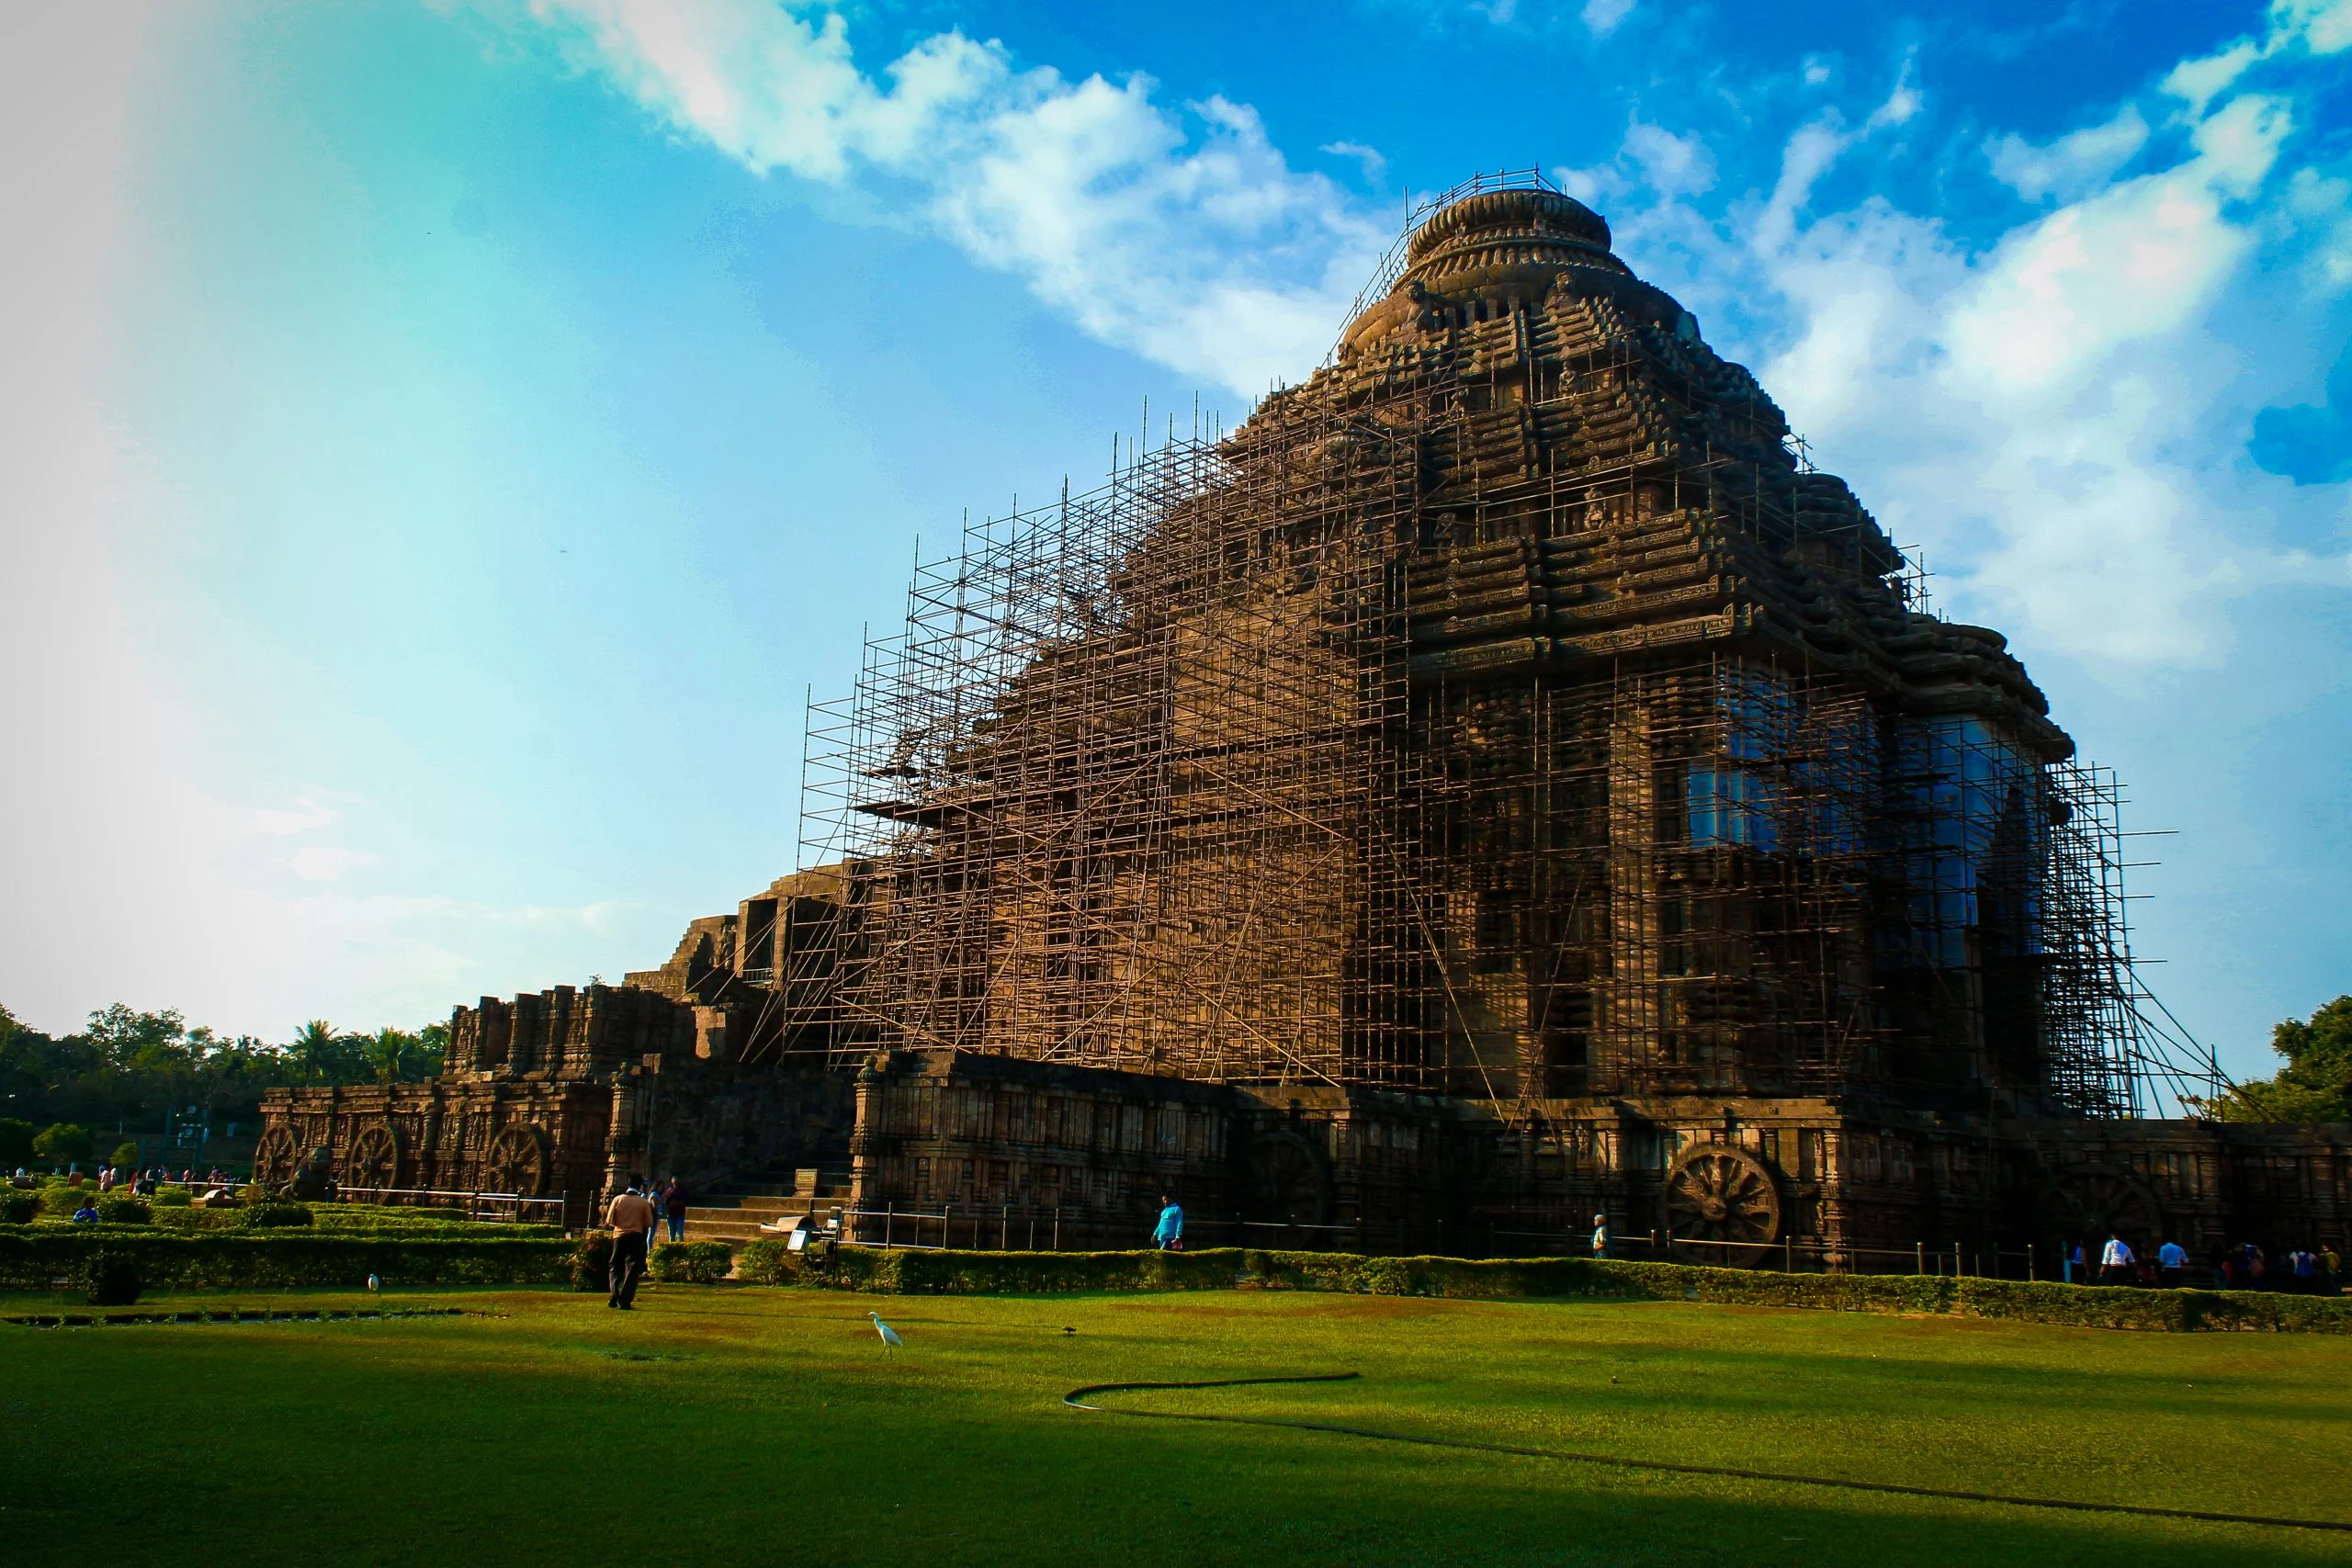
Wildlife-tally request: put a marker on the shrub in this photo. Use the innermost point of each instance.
(171, 1195)
(59, 1200)
(110, 1277)
(124, 1209)
(276, 1213)
(689, 1262)
(977, 1273)
(592, 1262)
(63, 1143)
(17, 1206)
(125, 1156)
(40, 1258)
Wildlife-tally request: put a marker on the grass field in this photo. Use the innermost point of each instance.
(771, 1425)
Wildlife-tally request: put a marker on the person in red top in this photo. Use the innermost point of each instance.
(631, 1218)
(673, 1208)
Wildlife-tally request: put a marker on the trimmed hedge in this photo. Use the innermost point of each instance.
(910, 1272)
(40, 1257)
(689, 1262)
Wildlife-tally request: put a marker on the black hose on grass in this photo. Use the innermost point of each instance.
(1077, 1400)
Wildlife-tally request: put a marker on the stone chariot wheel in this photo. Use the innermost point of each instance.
(378, 1159)
(1288, 1182)
(517, 1163)
(2088, 1204)
(275, 1157)
(1724, 1199)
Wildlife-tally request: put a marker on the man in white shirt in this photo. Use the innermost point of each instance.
(2115, 1263)
(631, 1218)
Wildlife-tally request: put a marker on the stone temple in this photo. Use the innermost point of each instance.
(1500, 783)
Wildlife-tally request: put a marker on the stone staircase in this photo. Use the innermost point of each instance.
(733, 1211)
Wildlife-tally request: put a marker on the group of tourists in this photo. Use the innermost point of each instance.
(2311, 1270)
(634, 1215)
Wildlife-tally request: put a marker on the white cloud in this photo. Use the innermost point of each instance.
(2072, 164)
(1375, 167)
(326, 862)
(2324, 27)
(1673, 165)
(2057, 417)
(1602, 18)
(308, 814)
(2200, 80)
(2044, 412)
(1181, 235)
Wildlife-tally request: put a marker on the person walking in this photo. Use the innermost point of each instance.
(1169, 1235)
(2115, 1261)
(673, 1208)
(2171, 1258)
(2074, 1263)
(1600, 1238)
(631, 1218)
(2331, 1270)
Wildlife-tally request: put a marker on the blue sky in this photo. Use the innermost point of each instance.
(446, 442)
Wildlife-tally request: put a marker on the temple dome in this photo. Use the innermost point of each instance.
(1505, 245)
(1505, 227)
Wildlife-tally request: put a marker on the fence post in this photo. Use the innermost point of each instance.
(946, 1226)
(1058, 1227)
(889, 1213)
(1004, 1229)
(1788, 1253)
(2029, 1275)
(1918, 1257)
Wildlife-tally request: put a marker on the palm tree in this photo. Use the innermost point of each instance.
(312, 1049)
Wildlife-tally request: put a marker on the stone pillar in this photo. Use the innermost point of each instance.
(865, 1138)
(620, 1132)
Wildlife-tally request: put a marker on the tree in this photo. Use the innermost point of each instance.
(125, 1156)
(2314, 1085)
(61, 1142)
(15, 1141)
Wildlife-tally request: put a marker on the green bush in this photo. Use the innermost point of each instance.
(110, 1277)
(689, 1262)
(43, 1257)
(124, 1209)
(911, 1273)
(63, 1143)
(592, 1263)
(125, 1156)
(277, 1213)
(60, 1201)
(171, 1195)
(17, 1206)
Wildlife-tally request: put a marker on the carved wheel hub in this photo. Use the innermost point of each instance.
(275, 1157)
(517, 1163)
(1718, 1193)
(376, 1157)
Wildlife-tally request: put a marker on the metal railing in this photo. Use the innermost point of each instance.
(1005, 1227)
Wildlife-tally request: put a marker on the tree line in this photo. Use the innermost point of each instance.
(140, 1071)
(2314, 1084)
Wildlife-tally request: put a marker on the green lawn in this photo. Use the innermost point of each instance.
(771, 1425)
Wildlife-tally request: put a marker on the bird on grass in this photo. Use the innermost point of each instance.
(890, 1335)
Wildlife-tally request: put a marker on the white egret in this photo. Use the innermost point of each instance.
(890, 1335)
